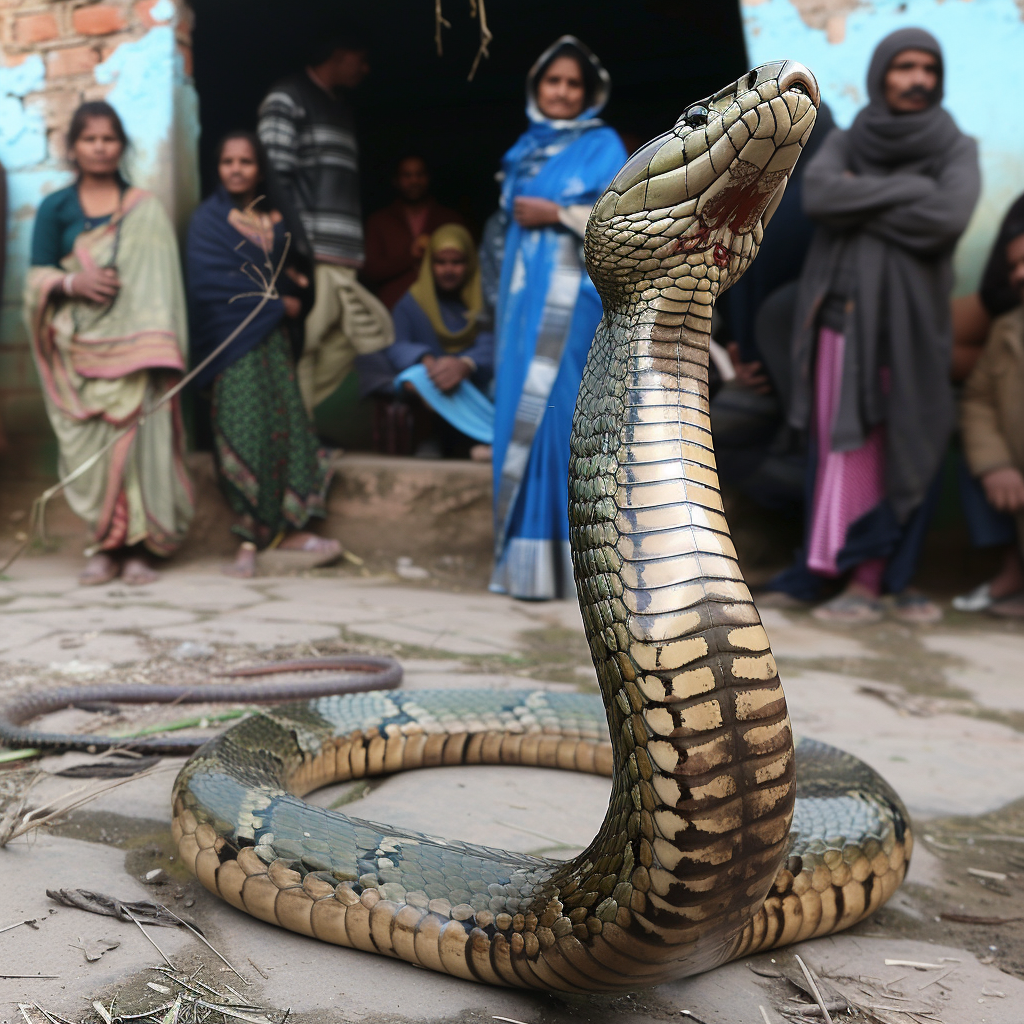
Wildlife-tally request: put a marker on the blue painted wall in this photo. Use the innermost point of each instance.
(983, 44)
(144, 79)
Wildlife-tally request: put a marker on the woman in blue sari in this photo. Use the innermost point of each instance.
(548, 311)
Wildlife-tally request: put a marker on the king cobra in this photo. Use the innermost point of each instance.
(702, 856)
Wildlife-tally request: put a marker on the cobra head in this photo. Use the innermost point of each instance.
(685, 216)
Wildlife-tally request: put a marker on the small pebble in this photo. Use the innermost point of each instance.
(189, 651)
(408, 570)
(155, 877)
(190, 902)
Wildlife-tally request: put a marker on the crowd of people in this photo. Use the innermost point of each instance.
(844, 343)
(844, 400)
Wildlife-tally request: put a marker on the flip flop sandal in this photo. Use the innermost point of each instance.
(980, 599)
(137, 578)
(97, 579)
(849, 610)
(916, 609)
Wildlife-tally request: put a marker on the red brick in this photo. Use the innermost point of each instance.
(35, 28)
(142, 9)
(75, 60)
(98, 20)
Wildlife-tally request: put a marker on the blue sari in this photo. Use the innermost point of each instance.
(548, 311)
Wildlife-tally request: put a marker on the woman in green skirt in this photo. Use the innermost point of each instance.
(270, 465)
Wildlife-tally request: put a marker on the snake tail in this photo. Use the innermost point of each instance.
(720, 838)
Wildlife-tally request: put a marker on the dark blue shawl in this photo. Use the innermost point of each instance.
(215, 256)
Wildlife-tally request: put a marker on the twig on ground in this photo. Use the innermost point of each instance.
(258, 970)
(994, 876)
(30, 821)
(135, 921)
(973, 919)
(937, 979)
(8, 756)
(17, 924)
(814, 988)
(202, 939)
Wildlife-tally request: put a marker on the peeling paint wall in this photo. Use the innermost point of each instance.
(983, 44)
(56, 54)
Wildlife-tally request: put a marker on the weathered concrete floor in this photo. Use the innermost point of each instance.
(936, 711)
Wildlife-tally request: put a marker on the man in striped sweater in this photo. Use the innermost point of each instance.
(307, 127)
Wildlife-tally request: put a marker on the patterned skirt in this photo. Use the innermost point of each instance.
(271, 467)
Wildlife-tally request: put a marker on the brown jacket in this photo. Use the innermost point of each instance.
(992, 412)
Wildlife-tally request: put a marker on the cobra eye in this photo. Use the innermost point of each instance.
(696, 117)
(797, 87)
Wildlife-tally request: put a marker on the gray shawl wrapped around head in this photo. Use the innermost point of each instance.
(891, 197)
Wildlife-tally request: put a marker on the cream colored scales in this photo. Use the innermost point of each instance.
(700, 858)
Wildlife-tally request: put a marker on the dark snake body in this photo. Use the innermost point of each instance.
(700, 858)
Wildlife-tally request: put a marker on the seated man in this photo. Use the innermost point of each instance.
(397, 236)
(442, 341)
(992, 423)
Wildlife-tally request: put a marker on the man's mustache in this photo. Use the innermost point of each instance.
(919, 92)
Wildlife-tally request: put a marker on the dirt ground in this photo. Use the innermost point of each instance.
(939, 711)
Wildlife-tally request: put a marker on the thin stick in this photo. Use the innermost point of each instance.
(49, 977)
(201, 938)
(439, 21)
(764, 1015)
(10, 927)
(259, 970)
(485, 36)
(814, 989)
(32, 822)
(7, 756)
(138, 924)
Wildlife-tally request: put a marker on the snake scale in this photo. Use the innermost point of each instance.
(702, 857)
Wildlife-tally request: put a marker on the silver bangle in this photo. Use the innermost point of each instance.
(67, 283)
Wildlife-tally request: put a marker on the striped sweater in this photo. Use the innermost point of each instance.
(311, 143)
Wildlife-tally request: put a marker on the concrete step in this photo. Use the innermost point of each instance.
(437, 512)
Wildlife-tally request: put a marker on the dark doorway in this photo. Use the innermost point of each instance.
(661, 54)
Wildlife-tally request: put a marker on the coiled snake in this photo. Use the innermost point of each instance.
(700, 858)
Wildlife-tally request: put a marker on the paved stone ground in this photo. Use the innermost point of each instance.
(940, 712)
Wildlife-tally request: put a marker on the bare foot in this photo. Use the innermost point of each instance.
(1010, 578)
(137, 573)
(481, 453)
(244, 565)
(98, 570)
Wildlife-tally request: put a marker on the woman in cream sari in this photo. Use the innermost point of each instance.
(106, 311)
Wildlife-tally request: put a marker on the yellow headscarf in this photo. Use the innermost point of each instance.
(451, 236)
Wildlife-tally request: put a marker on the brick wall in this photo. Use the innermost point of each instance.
(53, 60)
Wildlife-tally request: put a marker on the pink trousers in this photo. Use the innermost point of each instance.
(847, 484)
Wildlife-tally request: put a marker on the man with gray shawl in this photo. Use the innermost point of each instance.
(873, 339)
